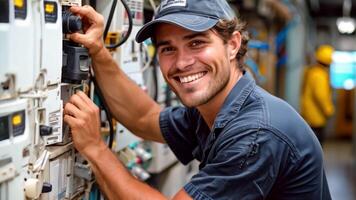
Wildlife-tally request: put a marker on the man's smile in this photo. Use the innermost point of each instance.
(190, 78)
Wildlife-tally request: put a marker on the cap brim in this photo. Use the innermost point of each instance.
(191, 22)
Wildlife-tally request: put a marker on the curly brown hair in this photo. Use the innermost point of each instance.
(225, 29)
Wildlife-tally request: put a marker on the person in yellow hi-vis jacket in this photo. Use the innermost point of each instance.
(316, 100)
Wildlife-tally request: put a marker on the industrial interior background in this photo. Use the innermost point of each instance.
(37, 159)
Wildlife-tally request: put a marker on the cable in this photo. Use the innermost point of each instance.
(98, 194)
(97, 88)
(92, 3)
(148, 62)
(155, 78)
(106, 109)
(111, 14)
(168, 100)
(129, 30)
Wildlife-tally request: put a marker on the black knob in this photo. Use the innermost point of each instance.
(45, 130)
(46, 188)
(71, 23)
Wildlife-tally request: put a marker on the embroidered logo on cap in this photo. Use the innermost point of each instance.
(170, 3)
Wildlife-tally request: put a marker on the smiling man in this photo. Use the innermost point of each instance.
(250, 144)
(197, 66)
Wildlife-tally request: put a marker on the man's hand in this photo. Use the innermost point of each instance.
(93, 26)
(82, 115)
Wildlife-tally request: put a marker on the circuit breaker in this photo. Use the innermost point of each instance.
(39, 71)
(37, 157)
(15, 134)
(20, 46)
(19, 63)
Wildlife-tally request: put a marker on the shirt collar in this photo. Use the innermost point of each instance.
(235, 100)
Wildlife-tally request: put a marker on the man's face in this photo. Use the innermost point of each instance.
(195, 65)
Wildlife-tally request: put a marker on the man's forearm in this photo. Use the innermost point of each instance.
(114, 179)
(129, 104)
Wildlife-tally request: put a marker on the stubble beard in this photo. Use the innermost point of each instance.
(214, 88)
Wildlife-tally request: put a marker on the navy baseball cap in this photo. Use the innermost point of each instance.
(194, 15)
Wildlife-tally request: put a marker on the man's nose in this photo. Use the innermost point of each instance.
(184, 60)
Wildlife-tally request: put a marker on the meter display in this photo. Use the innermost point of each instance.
(13, 124)
(20, 9)
(4, 128)
(51, 13)
(18, 123)
(4, 11)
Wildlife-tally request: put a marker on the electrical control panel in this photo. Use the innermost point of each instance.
(37, 157)
(23, 45)
(15, 141)
(40, 69)
(20, 46)
(6, 79)
(51, 46)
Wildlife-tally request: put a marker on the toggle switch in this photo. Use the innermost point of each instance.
(45, 130)
(46, 188)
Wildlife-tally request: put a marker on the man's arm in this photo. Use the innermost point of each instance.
(115, 181)
(118, 183)
(129, 104)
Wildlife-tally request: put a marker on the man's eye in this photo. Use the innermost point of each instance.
(167, 49)
(196, 43)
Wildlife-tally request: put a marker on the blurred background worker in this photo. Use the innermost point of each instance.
(316, 98)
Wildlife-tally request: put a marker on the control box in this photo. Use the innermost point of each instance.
(20, 46)
(15, 144)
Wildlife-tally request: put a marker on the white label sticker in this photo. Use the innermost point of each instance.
(170, 3)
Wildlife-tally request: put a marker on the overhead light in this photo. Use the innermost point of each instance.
(349, 84)
(346, 25)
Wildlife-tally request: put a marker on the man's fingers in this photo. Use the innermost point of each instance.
(71, 121)
(85, 98)
(72, 110)
(86, 11)
(84, 104)
(91, 106)
(78, 37)
(79, 102)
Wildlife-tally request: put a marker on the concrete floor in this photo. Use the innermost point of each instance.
(340, 164)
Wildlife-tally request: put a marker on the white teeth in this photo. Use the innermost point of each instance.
(191, 78)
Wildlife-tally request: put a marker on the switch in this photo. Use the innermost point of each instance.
(45, 130)
(46, 188)
(71, 23)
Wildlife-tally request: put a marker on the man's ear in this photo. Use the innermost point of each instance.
(234, 44)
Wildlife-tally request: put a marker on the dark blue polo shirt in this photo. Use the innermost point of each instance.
(258, 148)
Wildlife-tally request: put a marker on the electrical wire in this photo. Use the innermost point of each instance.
(106, 109)
(148, 63)
(129, 30)
(155, 78)
(111, 15)
(153, 61)
(97, 88)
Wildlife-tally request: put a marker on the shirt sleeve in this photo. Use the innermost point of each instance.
(178, 129)
(244, 167)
